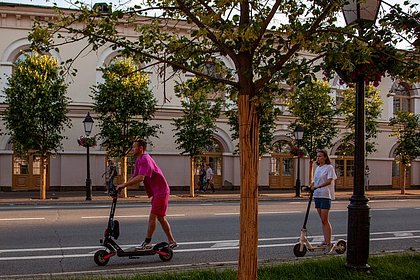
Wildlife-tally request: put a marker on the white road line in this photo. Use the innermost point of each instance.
(21, 219)
(216, 245)
(384, 209)
(281, 212)
(260, 213)
(49, 249)
(128, 216)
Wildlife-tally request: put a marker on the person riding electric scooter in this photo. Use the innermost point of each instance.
(112, 233)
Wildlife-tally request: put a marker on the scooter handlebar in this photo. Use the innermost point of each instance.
(306, 189)
(113, 191)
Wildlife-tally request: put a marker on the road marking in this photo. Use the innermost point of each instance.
(225, 244)
(128, 216)
(21, 219)
(260, 213)
(206, 204)
(403, 234)
(384, 209)
(215, 245)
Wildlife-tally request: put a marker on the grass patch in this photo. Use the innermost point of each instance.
(404, 266)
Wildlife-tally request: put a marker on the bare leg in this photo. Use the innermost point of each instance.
(326, 226)
(166, 228)
(152, 225)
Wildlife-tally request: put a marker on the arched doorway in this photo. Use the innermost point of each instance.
(27, 173)
(214, 157)
(344, 168)
(281, 166)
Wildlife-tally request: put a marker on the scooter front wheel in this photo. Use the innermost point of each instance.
(99, 258)
(298, 253)
(166, 254)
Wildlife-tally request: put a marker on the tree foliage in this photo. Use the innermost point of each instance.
(195, 128)
(36, 114)
(269, 114)
(373, 109)
(125, 106)
(315, 111)
(406, 128)
(250, 49)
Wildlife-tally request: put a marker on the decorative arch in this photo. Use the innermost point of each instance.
(337, 148)
(224, 139)
(402, 94)
(5, 144)
(392, 150)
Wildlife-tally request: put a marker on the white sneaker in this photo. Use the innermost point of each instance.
(173, 245)
(144, 246)
(329, 249)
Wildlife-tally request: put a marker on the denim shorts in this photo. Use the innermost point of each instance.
(322, 203)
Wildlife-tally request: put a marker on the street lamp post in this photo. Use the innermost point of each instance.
(88, 123)
(362, 13)
(298, 136)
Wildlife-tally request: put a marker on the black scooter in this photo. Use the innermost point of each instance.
(112, 232)
(304, 245)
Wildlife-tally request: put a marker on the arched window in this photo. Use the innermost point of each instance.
(402, 97)
(282, 147)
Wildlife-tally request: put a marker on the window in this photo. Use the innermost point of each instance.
(402, 97)
(282, 147)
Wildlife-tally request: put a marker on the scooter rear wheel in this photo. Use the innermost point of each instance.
(298, 253)
(341, 247)
(168, 254)
(99, 258)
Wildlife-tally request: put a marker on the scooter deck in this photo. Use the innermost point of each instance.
(132, 252)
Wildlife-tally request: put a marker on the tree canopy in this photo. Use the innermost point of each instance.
(36, 114)
(251, 50)
(373, 110)
(315, 111)
(125, 106)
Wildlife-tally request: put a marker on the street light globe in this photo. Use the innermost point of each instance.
(299, 130)
(88, 123)
(361, 11)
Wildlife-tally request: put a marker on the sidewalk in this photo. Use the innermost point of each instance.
(98, 197)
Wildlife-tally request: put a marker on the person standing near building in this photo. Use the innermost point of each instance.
(367, 173)
(109, 174)
(202, 179)
(156, 187)
(323, 187)
(209, 178)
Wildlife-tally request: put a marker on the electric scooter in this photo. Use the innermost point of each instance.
(304, 245)
(112, 232)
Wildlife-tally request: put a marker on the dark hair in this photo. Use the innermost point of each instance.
(141, 143)
(325, 153)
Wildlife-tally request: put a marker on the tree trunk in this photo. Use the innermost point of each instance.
(124, 169)
(192, 177)
(249, 154)
(404, 179)
(43, 183)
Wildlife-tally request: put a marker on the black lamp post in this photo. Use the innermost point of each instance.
(298, 136)
(88, 123)
(362, 13)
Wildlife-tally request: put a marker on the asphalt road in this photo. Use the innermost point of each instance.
(52, 240)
